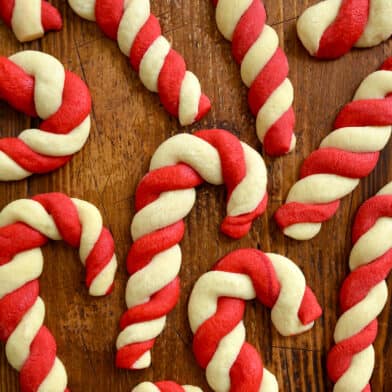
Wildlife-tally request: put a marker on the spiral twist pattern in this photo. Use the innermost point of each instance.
(349, 153)
(216, 310)
(30, 19)
(164, 197)
(36, 84)
(264, 70)
(164, 386)
(330, 28)
(25, 226)
(363, 295)
(161, 69)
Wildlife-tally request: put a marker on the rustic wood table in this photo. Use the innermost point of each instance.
(128, 124)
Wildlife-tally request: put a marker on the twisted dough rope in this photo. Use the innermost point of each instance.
(350, 152)
(216, 309)
(25, 226)
(330, 28)
(37, 85)
(30, 19)
(164, 197)
(363, 295)
(164, 386)
(160, 68)
(264, 70)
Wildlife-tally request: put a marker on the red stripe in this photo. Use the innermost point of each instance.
(292, 213)
(14, 306)
(340, 162)
(108, 14)
(6, 8)
(346, 29)
(248, 29)
(40, 361)
(128, 355)
(50, 17)
(169, 386)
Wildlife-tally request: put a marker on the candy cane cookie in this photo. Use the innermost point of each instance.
(349, 153)
(330, 28)
(161, 69)
(264, 70)
(216, 310)
(164, 197)
(25, 226)
(363, 295)
(36, 84)
(164, 386)
(30, 19)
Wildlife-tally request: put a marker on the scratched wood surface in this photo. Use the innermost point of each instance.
(128, 125)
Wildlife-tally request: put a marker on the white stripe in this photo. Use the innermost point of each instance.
(10, 170)
(248, 194)
(101, 284)
(33, 214)
(228, 14)
(56, 380)
(84, 8)
(18, 344)
(259, 54)
(159, 272)
(193, 151)
(21, 269)
(321, 188)
(26, 20)
(190, 94)
(277, 104)
(57, 145)
(152, 63)
(48, 86)
(377, 85)
(135, 16)
(169, 208)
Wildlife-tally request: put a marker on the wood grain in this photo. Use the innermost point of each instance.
(128, 125)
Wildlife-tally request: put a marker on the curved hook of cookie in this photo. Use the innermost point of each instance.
(25, 226)
(363, 295)
(58, 97)
(362, 129)
(30, 19)
(164, 197)
(330, 28)
(216, 309)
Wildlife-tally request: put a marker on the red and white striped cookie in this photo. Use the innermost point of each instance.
(363, 295)
(164, 386)
(330, 28)
(36, 84)
(216, 310)
(264, 70)
(164, 197)
(161, 69)
(25, 226)
(349, 153)
(30, 19)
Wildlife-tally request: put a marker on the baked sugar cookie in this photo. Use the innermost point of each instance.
(363, 295)
(264, 70)
(330, 28)
(164, 197)
(349, 153)
(25, 226)
(36, 84)
(161, 69)
(216, 310)
(30, 19)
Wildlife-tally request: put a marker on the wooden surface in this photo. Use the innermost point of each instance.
(128, 125)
